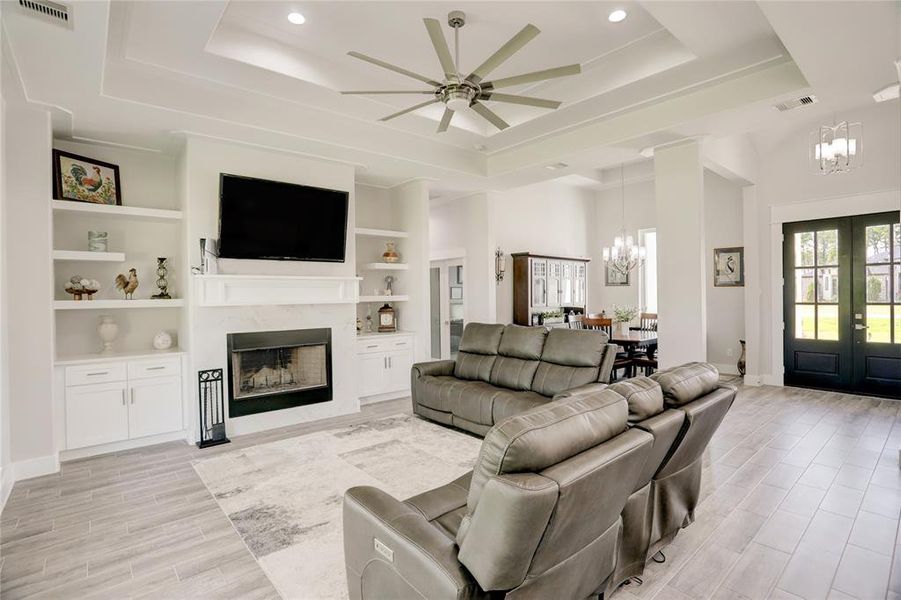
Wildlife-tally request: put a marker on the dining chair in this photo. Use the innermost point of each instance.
(575, 322)
(646, 322)
(606, 325)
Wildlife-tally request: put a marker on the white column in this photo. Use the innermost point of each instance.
(681, 273)
(412, 206)
(751, 237)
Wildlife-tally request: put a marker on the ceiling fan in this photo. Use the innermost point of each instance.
(457, 92)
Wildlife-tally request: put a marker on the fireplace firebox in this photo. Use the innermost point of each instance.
(273, 370)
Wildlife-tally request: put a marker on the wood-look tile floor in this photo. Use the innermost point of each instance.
(801, 499)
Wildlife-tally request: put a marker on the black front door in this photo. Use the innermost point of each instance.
(841, 292)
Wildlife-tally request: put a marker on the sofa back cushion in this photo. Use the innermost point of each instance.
(571, 358)
(518, 356)
(643, 395)
(544, 436)
(686, 383)
(478, 350)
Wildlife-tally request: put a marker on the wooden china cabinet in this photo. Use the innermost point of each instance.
(543, 283)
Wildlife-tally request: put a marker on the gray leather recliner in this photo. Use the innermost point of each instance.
(501, 371)
(538, 517)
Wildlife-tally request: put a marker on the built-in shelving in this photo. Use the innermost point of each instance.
(130, 212)
(377, 266)
(395, 298)
(86, 256)
(113, 304)
(381, 233)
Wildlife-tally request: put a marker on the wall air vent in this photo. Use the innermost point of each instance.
(796, 103)
(47, 10)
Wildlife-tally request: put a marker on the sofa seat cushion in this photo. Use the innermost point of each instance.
(474, 402)
(508, 403)
(686, 383)
(444, 506)
(439, 392)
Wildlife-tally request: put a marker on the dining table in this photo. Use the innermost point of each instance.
(633, 339)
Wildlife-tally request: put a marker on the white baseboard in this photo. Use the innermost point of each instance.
(35, 467)
(119, 446)
(6, 485)
(752, 380)
(383, 397)
(777, 380)
(726, 369)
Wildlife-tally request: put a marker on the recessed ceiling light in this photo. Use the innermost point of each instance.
(617, 15)
(297, 18)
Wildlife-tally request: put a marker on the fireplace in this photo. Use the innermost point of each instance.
(273, 370)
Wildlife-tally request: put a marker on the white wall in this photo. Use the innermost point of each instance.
(546, 218)
(204, 160)
(725, 305)
(785, 178)
(6, 476)
(29, 313)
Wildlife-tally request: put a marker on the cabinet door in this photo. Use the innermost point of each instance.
(539, 282)
(96, 414)
(154, 406)
(554, 290)
(373, 373)
(399, 364)
(579, 284)
(566, 284)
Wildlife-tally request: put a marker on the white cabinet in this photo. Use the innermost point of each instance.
(96, 414)
(136, 399)
(154, 406)
(384, 365)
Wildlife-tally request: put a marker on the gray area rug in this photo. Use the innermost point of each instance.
(284, 498)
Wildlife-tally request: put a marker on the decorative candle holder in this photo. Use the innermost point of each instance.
(162, 269)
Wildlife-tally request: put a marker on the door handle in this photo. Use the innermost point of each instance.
(132, 395)
(859, 326)
(123, 396)
(389, 362)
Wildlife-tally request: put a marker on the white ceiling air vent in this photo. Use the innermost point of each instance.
(796, 103)
(52, 12)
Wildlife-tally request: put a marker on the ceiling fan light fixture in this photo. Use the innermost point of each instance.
(617, 15)
(296, 18)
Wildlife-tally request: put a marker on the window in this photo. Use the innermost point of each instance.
(816, 285)
(647, 280)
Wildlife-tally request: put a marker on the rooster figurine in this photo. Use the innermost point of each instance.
(80, 175)
(128, 285)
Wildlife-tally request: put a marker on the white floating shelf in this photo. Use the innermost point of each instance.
(395, 298)
(131, 212)
(385, 266)
(110, 304)
(86, 256)
(381, 233)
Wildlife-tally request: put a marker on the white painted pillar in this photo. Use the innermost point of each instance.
(751, 237)
(412, 206)
(681, 272)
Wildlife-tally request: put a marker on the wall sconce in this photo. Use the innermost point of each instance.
(500, 265)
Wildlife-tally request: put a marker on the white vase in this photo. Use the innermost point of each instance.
(107, 329)
(622, 328)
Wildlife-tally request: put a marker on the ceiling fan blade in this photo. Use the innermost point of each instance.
(534, 76)
(396, 69)
(489, 115)
(441, 49)
(525, 100)
(445, 120)
(390, 92)
(525, 35)
(407, 110)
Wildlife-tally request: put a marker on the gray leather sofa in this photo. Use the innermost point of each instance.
(538, 517)
(681, 408)
(501, 371)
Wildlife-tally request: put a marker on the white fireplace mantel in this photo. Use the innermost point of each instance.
(259, 290)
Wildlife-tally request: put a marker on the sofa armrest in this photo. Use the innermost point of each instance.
(588, 388)
(397, 553)
(607, 361)
(434, 368)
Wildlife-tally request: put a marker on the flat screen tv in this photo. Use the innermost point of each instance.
(270, 220)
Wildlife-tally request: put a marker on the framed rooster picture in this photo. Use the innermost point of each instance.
(85, 179)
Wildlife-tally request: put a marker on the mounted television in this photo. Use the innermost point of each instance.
(271, 220)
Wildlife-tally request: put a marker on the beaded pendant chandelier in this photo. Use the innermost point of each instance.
(625, 254)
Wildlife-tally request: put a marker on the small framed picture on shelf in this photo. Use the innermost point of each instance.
(84, 179)
(729, 267)
(614, 277)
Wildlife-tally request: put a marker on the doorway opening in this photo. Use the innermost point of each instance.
(447, 306)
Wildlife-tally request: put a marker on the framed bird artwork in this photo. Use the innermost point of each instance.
(85, 179)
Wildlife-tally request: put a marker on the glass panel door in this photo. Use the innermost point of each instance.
(817, 297)
(877, 296)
